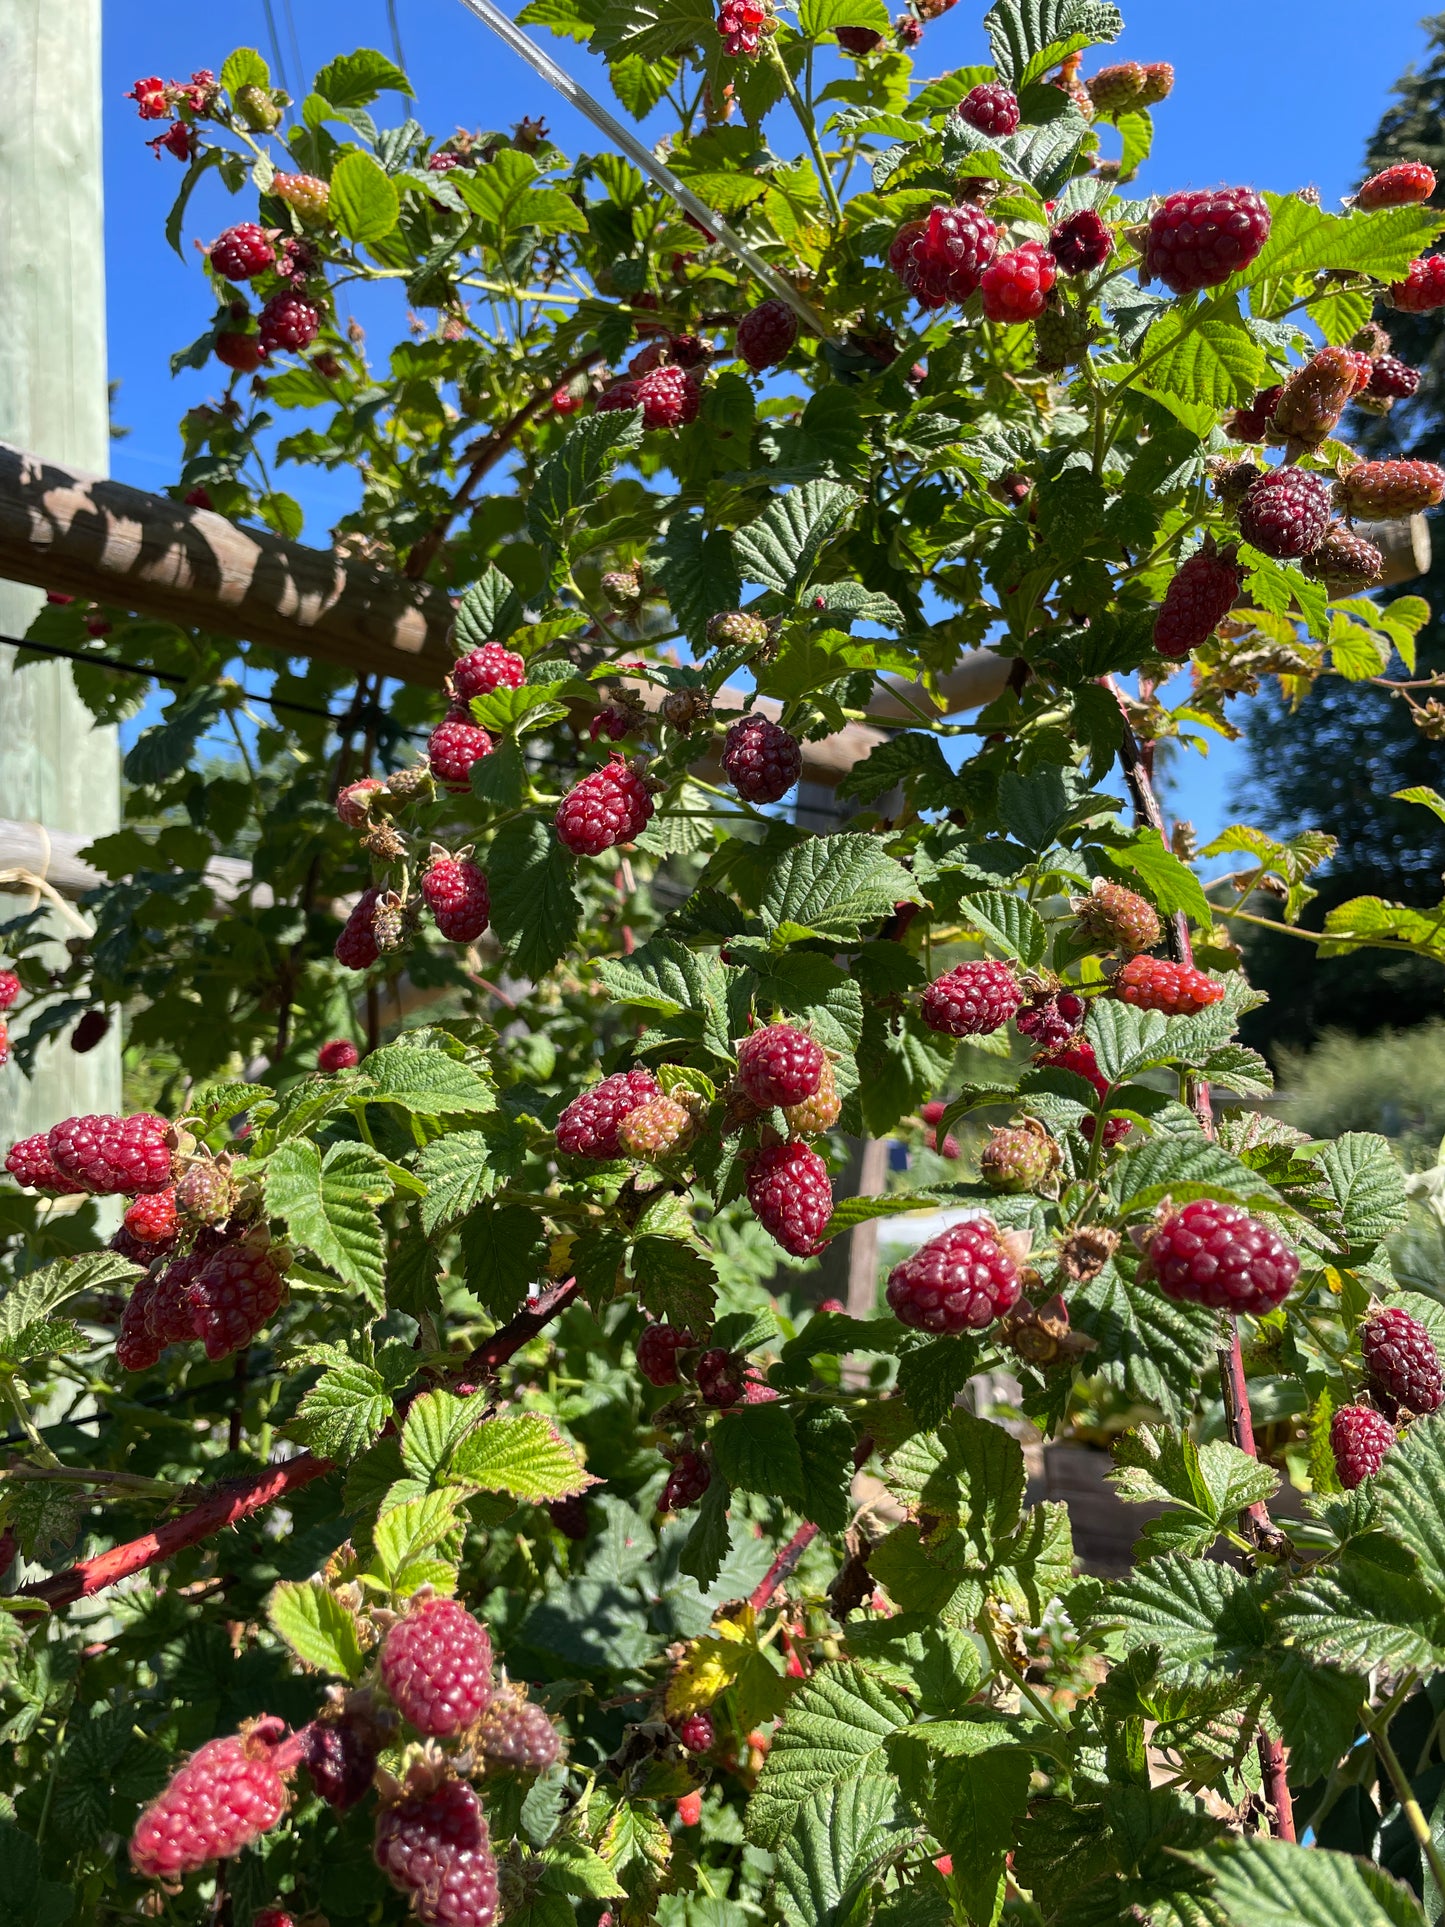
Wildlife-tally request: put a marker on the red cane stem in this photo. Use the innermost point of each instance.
(785, 1564)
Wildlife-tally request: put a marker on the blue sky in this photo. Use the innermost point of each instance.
(1276, 93)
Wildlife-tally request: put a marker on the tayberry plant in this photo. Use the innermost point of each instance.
(439, 1485)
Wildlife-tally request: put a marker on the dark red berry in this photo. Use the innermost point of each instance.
(762, 761)
(339, 1055)
(1153, 983)
(588, 1126)
(1216, 1254)
(670, 397)
(744, 25)
(961, 1280)
(972, 999)
(1423, 289)
(1200, 237)
(1344, 562)
(1078, 1057)
(136, 1350)
(859, 41)
(436, 1848)
(570, 1517)
(932, 1115)
(436, 1663)
(1200, 596)
(779, 1065)
(1404, 185)
(107, 1155)
(622, 395)
(689, 1478)
(516, 1734)
(789, 1191)
(482, 670)
(356, 948)
(352, 803)
(288, 321)
(1359, 1439)
(992, 108)
(696, 1733)
(454, 745)
(340, 1755)
(1015, 286)
(1285, 513)
(720, 1378)
(242, 252)
(455, 891)
(766, 334)
(1051, 1021)
(233, 1294)
(612, 805)
(941, 258)
(657, 1350)
(9, 989)
(224, 1797)
(1401, 1361)
(1392, 379)
(1255, 424)
(1082, 243)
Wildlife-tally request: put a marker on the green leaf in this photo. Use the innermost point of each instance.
(355, 79)
(316, 1626)
(894, 761)
(1205, 358)
(504, 1248)
(1365, 1182)
(828, 1857)
(536, 911)
(836, 1730)
(976, 1805)
(436, 1422)
(1211, 1483)
(522, 1454)
(1010, 925)
(330, 1207)
(1411, 1490)
(708, 1539)
(1260, 1882)
(244, 68)
(364, 202)
(488, 612)
(970, 1471)
(571, 480)
(817, 17)
(1170, 884)
(31, 1299)
(1304, 239)
(1204, 1618)
(931, 1376)
(458, 1173)
(756, 1450)
(1155, 1349)
(428, 1082)
(343, 1412)
(405, 1532)
(826, 1443)
(1030, 36)
(805, 984)
(675, 1281)
(697, 574)
(781, 548)
(834, 885)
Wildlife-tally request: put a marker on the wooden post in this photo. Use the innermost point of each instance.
(55, 768)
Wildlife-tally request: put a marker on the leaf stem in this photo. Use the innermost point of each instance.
(805, 121)
(1378, 1729)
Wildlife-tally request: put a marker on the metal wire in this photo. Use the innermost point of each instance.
(643, 158)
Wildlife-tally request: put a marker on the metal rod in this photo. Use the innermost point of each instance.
(642, 157)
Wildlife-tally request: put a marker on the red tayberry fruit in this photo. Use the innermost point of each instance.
(482, 670)
(1153, 983)
(972, 999)
(455, 891)
(744, 25)
(1392, 379)
(588, 1126)
(224, 1797)
(779, 1065)
(242, 252)
(761, 760)
(1200, 596)
(1401, 1362)
(1285, 513)
(233, 1294)
(436, 1848)
(564, 402)
(657, 1350)
(1200, 237)
(1388, 491)
(436, 1663)
(356, 948)
(517, 1735)
(338, 1055)
(1015, 286)
(169, 1318)
(136, 1349)
(766, 334)
(454, 745)
(612, 805)
(1404, 185)
(621, 395)
(1216, 1254)
(1082, 243)
(110, 1155)
(992, 108)
(859, 41)
(1315, 396)
(1255, 424)
(962, 1280)
(791, 1196)
(9, 989)
(719, 1377)
(29, 1162)
(941, 259)
(570, 1517)
(1423, 289)
(696, 1733)
(932, 1115)
(1343, 561)
(1359, 1439)
(272, 1917)
(243, 353)
(352, 802)
(689, 1805)
(340, 1756)
(152, 1218)
(689, 1478)
(670, 397)
(612, 723)
(288, 321)
(1052, 1020)
(1079, 1058)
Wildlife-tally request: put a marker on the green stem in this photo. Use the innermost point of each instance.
(1378, 1729)
(805, 121)
(1046, 1712)
(22, 1412)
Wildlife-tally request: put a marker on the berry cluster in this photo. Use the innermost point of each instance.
(942, 258)
(226, 1795)
(589, 1126)
(106, 1156)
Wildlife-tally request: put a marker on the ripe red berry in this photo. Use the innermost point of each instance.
(657, 1350)
(1401, 1361)
(455, 891)
(1285, 513)
(1200, 237)
(972, 999)
(340, 1755)
(696, 1732)
(338, 1055)
(1082, 243)
(992, 108)
(356, 946)
(1423, 288)
(859, 41)
(436, 1848)
(272, 1917)
(612, 805)
(454, 745)
(689, 1478)
(242, 252)
(720, 1378)
(1315, 396)
(233, 1294)
(761, 760)
(570, 1517)
(1392, 379)
(942, 257)
(136, 1349)
(1199, 597)
(288, 321)
(29, 1162)
(791, 1196)
(670, 397)
(564, 402)
(689, 1805)
(766, 333)
(1217, 1255)
(588, 1126)
(932, 1115)
(9, 989)
(1050, 1021)
(1015, 286)
(224, 1797)
(1359, 1439)
(1256, 423)
(1344, 562)
(1403, 185)
(152, 1219)
(436, 1663)
(1153, 983)
(620, 395)
(779, 1065)
(744, 25)
(482, 670)
(243, 353)
(962, 1280)
(106, 1155)
(169, 1318)
(1387, 491)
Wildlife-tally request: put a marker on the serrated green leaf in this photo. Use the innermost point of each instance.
(458, 1173)
(427, 1082)
(781, 548)
(1009, 923)
(570, 480)
(31, 1299)
(1030, 36)
(838, 1837)
(1203, 1617)
(836, 1731)
(970, 1471)
(343, 1412)
(436, 1423)
(321, 1631)
(1260, 1882)
(536, 911)
(504, 1250)
(405, 1533)
(756, 1450)
(329, 1206)
(364, 202)
(709, 1537)
(1367, 1185)
(522, 1454)
(834, 885)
